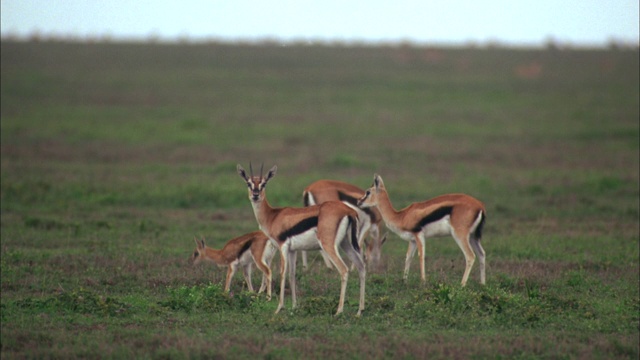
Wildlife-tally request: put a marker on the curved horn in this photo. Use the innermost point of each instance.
(261, 166)
(250, 169)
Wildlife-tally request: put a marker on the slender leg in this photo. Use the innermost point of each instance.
(230, 271)
(246, 271)
(327, 259)
(365, 226)
(339, 264)
(356, 259)
(292, 277)
(469, 256)
(477, 248)
(407, 262)
(265, 267)
(420, 241)
(283, 272)
(304, 259)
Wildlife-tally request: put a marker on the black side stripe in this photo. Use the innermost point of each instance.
(354, 234)
(305, 198)
(299, 228)
(478, 233)
(347, 198)
(353, 201)
(245, 247)
(432, 217)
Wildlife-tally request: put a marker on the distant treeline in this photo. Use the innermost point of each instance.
(549, 44)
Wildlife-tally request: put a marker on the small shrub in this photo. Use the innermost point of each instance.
(319, 305)
(381, 304)
(533, 290)
(77, 301)
(442, 294)
(576, 279)
(210, 298)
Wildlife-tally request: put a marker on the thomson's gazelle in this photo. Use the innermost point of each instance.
(328, 226)
(240, 252)
(458, 215)
(369, 218)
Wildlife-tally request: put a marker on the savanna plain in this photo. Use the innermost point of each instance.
(115, 156)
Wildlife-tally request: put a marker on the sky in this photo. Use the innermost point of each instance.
(514, 22)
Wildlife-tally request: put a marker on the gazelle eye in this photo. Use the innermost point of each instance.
(367, 193)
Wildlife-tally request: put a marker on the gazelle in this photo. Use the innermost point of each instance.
(240, 252)
(458, 215)
(327, 226)
(369, 218)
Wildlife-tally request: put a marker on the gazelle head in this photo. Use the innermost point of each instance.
(198, 254)
(256, 184)
(370, 197)
(372, 250)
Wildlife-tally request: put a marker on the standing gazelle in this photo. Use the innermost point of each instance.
(458, 215)
(328, 226)
(369, 218)
(240, 252)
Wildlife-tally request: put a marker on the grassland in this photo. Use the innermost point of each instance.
(114, 156)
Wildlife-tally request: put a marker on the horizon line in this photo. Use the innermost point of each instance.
(549, 43)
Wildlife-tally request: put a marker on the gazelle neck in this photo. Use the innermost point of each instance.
(388, 212)
(215, 256)
(263, 212)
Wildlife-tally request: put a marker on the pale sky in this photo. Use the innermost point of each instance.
(526, 22)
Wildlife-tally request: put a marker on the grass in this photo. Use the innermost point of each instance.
(114, 156)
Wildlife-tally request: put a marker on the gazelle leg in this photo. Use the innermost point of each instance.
(356, 259)
(420, 242)
(283, 271)
(292, 277)
(304, 259)
(469, 256)
(365, 225)
(246, 271)
(327, 259)
(230, 271)
(477, 248)
(407, 262)
(339, 264)
(266, 278)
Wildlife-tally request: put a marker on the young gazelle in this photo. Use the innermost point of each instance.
(369, 218)
(458, 215)
(328, 226)
(241, 252)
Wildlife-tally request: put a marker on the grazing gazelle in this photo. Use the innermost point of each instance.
(241, 251)
(331, 190)
(458, 215)
(328, 226)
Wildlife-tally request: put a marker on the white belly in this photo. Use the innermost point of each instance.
(441, 227)
(307, 240)
(245, 258)
(405, 235)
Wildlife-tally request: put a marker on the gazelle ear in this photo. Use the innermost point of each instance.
(195, 238)
(271, 173)
(241, 172)
(377, 181)
(202, 245)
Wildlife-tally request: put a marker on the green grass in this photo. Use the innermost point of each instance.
(114, 156)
